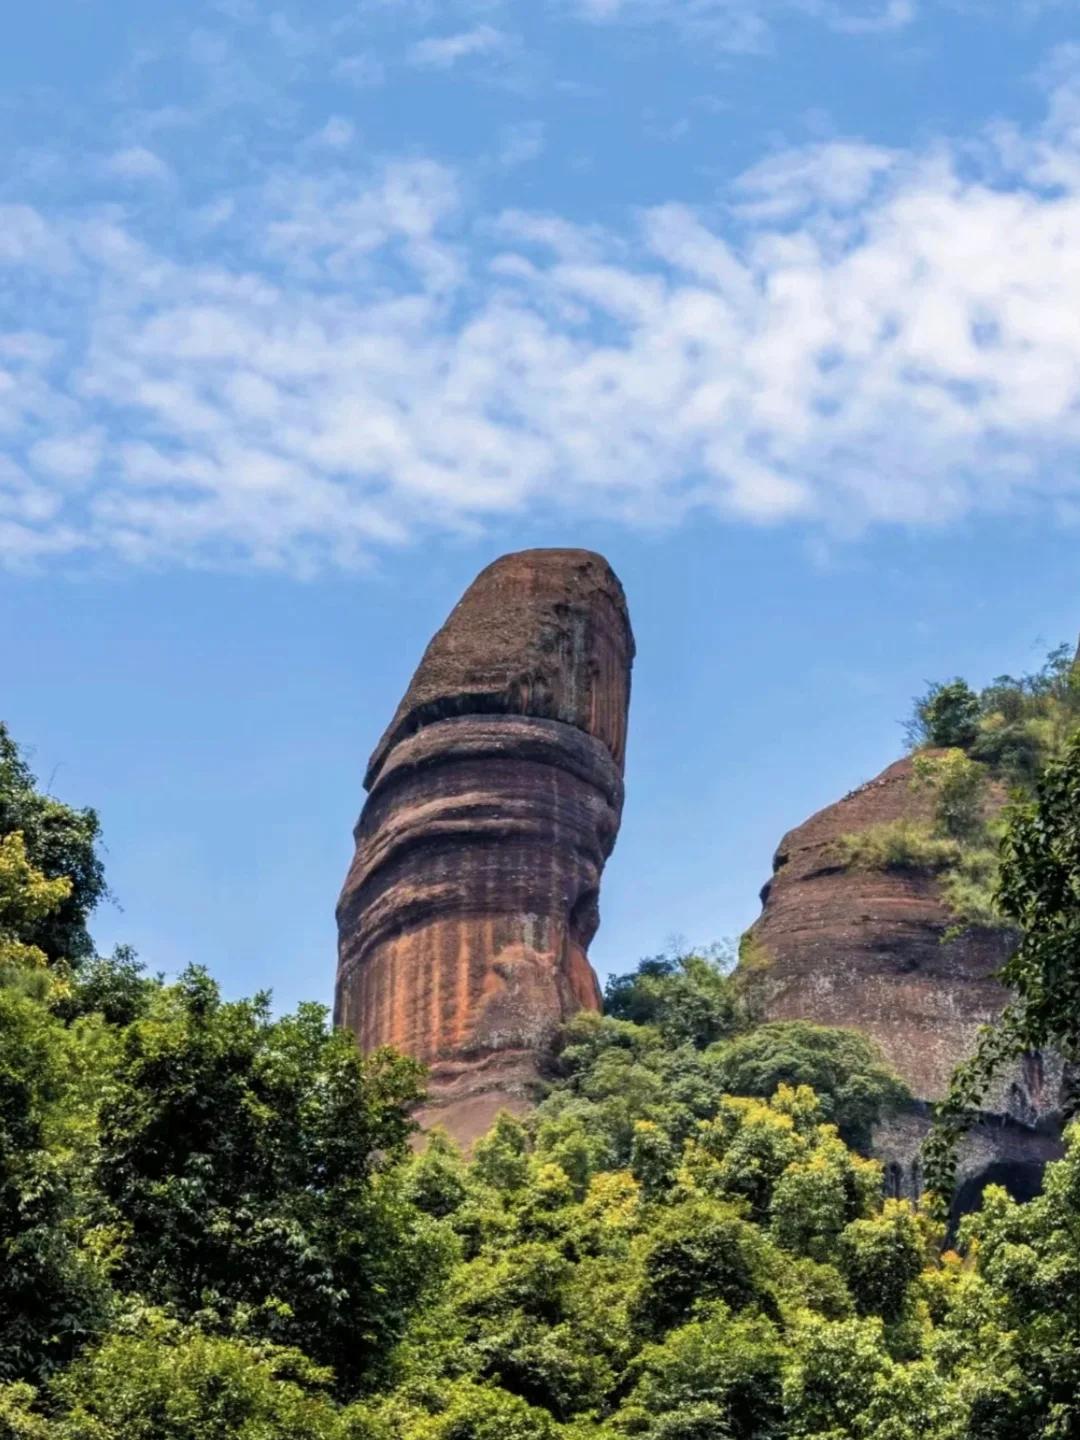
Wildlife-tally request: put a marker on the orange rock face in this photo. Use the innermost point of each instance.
(870, 950)
(494, 801)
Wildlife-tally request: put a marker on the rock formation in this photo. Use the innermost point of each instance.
(870, 950)
(494, 800)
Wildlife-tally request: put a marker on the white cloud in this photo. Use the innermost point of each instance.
(337, 132)
(1033, 9)
(26, 238)
(28, 528)
(734, 25)
(869, 337)
(521, 144)
(443, 52)
(363, 71)
(838, 176)
(71, 458)
(871, 17)
(745, 25)
(137, 163)
(335, 226)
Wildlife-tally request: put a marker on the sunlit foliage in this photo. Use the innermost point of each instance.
(212, 1225)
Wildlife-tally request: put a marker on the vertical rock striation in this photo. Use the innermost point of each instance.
(872, 950)
(494, 800)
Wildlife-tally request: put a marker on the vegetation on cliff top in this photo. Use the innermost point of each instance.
(959, 844)
(212, 1227)
(969, 745)
(1014, 726)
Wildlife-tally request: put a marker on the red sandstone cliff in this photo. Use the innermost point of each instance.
(869, 950)
(495, 797)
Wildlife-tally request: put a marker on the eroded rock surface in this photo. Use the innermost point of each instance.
(869, 950)
(494, 801)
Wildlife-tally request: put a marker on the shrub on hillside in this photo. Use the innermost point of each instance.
(845, 1070)
(687, 998)
(946, 716)
(897, 845)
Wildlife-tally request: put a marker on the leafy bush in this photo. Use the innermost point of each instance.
(845, 1070)
(249, 1162)
(960, 790)
(1014, 725)
(898, 845)
(947, 716)
(970, 890)
(960, 845)
(59, 842)
(162, 1382)
(687, 998)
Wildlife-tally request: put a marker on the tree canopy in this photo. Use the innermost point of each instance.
(61, 844)
(213, 1225)
(1013, 726)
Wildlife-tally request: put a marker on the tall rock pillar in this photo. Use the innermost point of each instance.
(494, 800)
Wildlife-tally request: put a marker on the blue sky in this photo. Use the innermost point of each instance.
(308, 311)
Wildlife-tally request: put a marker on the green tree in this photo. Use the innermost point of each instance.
(1014, 725)
(59, 842)
(500, 1157)
(27, 899)
(838, 1368)
(253, 1165)
(881, 1256)
(1008, 1314)
(946, 717)
(687, 998)
(845, 1070)
(959, 786)
(436, 1184)
(114, 987)
(703, 1251)
(480, 1412)
(52, 1289)
(158, 1381)
(720, 1375)
(19, 1417)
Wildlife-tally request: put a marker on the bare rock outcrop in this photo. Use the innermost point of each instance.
(878, 951)
(494, 801)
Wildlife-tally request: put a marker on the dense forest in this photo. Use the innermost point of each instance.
(216, 1225)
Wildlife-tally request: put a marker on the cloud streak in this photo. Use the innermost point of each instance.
(445, 51)
(863, 337)
(136, 163)
(746, 25)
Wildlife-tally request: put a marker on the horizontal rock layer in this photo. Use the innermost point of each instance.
(472, 898)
